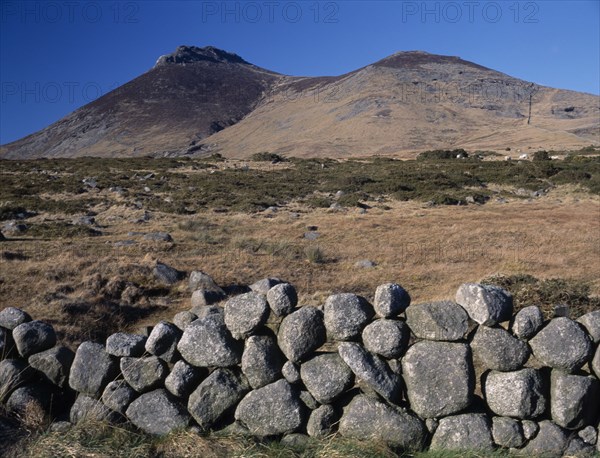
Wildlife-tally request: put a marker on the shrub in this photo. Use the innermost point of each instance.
(267, 157)
(541, 156)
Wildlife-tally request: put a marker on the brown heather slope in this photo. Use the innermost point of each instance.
(203, 100)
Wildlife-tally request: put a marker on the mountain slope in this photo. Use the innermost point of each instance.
(203, 100)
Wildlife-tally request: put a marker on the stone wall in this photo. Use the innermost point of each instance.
(462, 374)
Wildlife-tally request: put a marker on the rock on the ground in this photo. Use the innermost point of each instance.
(245, 313)
(282, 299)
(86, 408)
(498, 350)
(574, 400)
(183, 379)
(218, 393)
(200, 280)
(203, 297)
(271, 410)
(33, 337)
(527, 322)
(166, 274)
(291, 372)
(158, 237)
(518, 394)
(122, 344)
(326, 376)
(144, 374)
(591, 322)
(369, 419)
(550, 441)
(346, 315)
(158, 413)
(485, 304)
(469, 431)
(562, 344)
(390, 300)
(385, 337)
(321, 421)
(208, 343)
(262, 360)
(118, 395)
(163, 340)
(507, 432)
(11, 317)
(92, 369)
(443, 320)
(439, 378)
(263, 286)
(54, 363)
(301, 333)
(372, 370)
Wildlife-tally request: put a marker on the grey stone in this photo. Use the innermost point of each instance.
(308, 400)
(551, 440)
(261, 361)
(295, 441)
(182, 319)
(321, 421)
(326, 376)
(301, 333)
(118, 395)
(13, 374)
(578, 448)
(291, 372)
(432, 424)
(183, 379)
(33, 337)
(372, 370)
(527, 322)
(369, 419)
(496, 349)
(143, 374)
(203, 297)
(92, 369)
(562, 344)
(282, 299)
(218, 393)
(25, 397)
(245, 313)
(595, 364)
(11, 317)
(589, 435)
(263, 286)
(200, 280)
(439, 378)
(591, 322)
(271, 410)
(530, 429)
(207, 343)
(346, 315)
(158, 413)
(388, 338)
(485, 304)
(444, 320)
(469, 431)
(209, 311)
(507, 432)
(86, 408)
(122, 344)
(166, 274)
(518, 394)
(55, 364)
(574, 400)
(7, 345)
(163, 340)
(390, 300)
(158, 237)
(60, 427)
(365, 264)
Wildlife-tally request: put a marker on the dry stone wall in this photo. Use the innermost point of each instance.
(458, 374)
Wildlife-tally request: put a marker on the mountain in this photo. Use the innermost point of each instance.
(204, 100)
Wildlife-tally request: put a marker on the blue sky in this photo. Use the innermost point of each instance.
(56, 56)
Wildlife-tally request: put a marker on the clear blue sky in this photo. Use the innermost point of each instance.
(56, 56)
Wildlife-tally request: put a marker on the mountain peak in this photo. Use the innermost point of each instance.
(408, 59)
(190, 54)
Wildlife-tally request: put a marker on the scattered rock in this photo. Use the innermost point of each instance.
(167, 274)
(390, 300)
(261, 361)
(321, 421)
(55, 364)
(263, 286)
(301, 333)
(245, 313)
(364, 264)
(326, 377)
(527, 322)
(507, 432)
(143, 374)
(312, 235)
(92, 369)
(591, 322)
(550, 440)
(271, 410)
(204, 297)
(498, 350)
(388, 338)
(574, 400)
(158, 237)
(291, 372)
(346, 315)
(14, 228)
(11, 317)
(485, 304)
(369, 419)
(439, 378)
(183, 379)
(122, 344)
(157, 413)
(163, 341)
(208, 343)
(33, 337)
(282, 299)
(562, 344)
(118, 395)
(463, 432)
(518, 394)
(444, 320)
(200, 280)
